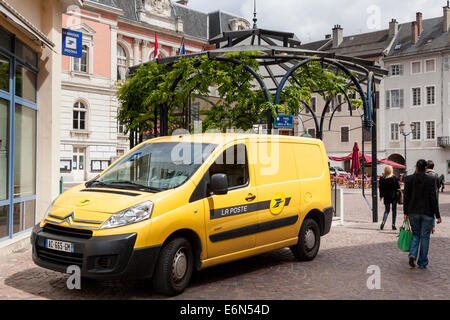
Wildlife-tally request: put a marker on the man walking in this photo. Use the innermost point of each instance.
(421, 207)
(442, 182)
(430, 171)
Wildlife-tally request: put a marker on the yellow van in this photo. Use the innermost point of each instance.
(175, 204)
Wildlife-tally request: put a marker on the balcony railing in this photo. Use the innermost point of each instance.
(443, 142)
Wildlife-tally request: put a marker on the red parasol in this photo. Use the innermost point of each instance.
(356, 167)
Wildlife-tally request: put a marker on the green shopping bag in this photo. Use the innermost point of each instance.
(404, 239)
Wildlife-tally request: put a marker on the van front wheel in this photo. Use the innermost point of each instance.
(308, 241)
(174, 267)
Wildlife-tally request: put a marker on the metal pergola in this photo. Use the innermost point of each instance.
(279, 55)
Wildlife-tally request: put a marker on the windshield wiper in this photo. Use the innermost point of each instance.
(136, 185)
(95, 182)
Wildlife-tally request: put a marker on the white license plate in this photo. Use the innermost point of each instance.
(59, 245)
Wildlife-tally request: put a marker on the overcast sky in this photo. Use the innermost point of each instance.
(310, 20)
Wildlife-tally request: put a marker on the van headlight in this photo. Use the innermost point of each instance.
(50, 207)
(137, 213)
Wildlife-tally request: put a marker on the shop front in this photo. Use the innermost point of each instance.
(18, 109)
(30, 98)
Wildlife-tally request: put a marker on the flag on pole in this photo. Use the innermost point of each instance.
(156, 52)
(183, 48)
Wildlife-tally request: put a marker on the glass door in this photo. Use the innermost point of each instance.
(4, 176)
(78, 169)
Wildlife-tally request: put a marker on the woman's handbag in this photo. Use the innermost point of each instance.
(404, 239)
(399, 196)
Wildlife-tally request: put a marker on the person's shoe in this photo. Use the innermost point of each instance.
(424, 267)
(394, 228)
(432, 230)
(412, 262)
(382, 226)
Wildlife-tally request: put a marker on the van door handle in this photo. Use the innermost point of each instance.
(250, 197)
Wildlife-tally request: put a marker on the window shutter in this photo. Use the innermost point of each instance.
(388, 100)
(401, 98)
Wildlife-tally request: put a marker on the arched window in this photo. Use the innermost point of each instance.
(151, 56)
(79, 116)
(122, 62)
(81, 64)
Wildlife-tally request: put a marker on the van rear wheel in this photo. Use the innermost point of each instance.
(308, 241)
(174, 267)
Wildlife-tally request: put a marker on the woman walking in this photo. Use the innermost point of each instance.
(421, 207)
(388, 192)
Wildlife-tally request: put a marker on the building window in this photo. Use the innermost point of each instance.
(367, 135)
(339, 103)
(99, 165)
(394, 98)
(81, 64)
(416, 96)
(394, 131)
(431, 95)
(79, 116)
(120, 128)
(345, 134)
(416, 130)
(396, 70)
(431, 130)
(416, 67)
(120, 152)
(430, 65)
(312, 104)
(122, 63)
(65, 165)
(312, 132)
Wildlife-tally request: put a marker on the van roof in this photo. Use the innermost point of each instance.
(222, 138)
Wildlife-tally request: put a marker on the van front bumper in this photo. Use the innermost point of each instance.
(107, 257)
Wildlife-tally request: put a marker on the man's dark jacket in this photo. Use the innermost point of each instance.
(420, 195)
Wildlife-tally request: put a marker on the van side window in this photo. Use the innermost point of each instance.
(233, 162)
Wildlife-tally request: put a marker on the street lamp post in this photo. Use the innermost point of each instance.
(404, 134)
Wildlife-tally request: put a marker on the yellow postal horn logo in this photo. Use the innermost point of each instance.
(83, 202)
(277, 203)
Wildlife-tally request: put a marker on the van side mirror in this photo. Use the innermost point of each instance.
(219, 183)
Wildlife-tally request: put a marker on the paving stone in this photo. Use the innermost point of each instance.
(338, 272)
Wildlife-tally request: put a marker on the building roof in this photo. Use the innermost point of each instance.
(364, 45)
(196, 24)
(432, 38)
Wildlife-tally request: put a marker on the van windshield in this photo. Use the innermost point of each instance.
(155, 167)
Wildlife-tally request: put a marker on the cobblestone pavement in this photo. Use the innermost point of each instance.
(338, 272)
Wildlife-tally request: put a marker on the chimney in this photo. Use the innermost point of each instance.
(328, 36)
(183, 2)
(338, 35)
(446, 23)
(414, 32)
(393, 28)
(419, 22)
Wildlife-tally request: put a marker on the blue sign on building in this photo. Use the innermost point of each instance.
(72, 43)
(284, 121)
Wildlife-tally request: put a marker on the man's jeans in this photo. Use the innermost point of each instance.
(421, 226)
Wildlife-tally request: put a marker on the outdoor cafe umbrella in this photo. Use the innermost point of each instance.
(354, 170)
